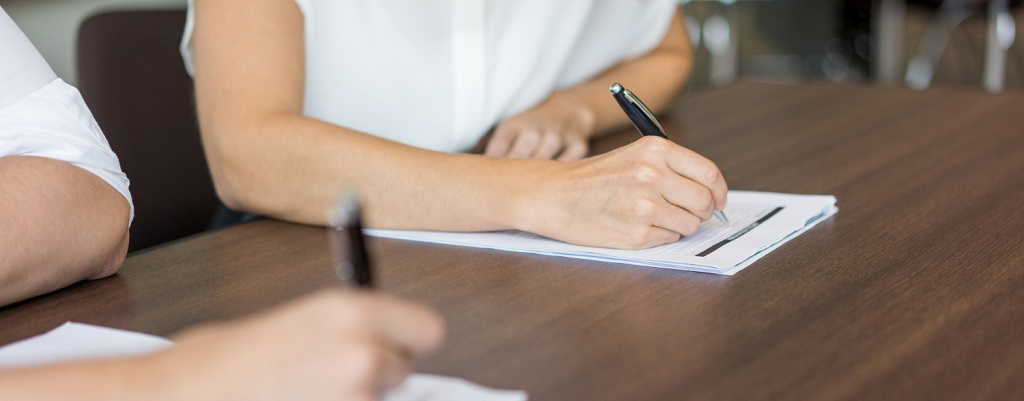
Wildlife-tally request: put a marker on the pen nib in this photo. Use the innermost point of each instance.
(720, 215)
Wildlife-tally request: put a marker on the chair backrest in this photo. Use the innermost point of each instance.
(131, 76)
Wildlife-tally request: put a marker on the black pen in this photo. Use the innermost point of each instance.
(348, 245)
(644, 121)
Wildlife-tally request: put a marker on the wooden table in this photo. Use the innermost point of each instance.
(914, 291)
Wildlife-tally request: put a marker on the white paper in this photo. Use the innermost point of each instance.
(759, 221)
(78, 342)
(420, 387)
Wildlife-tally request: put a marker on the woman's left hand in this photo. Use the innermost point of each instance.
(556, 129)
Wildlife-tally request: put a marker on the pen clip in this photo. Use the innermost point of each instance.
(643, 109)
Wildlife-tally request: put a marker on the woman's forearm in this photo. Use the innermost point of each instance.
(294, 167)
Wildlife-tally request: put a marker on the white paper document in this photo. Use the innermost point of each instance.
(78, 342)
(759, 222)
(421, 387)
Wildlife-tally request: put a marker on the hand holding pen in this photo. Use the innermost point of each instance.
(648, 193)
(644, 121)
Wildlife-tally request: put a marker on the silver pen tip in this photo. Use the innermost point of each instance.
(721, 216)
(615, 88)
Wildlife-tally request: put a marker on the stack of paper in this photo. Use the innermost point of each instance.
(759, 222)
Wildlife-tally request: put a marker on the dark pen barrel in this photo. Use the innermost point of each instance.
(348, 242)
(635, 114)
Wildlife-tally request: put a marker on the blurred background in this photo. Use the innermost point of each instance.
(910, 42)
(917, 43)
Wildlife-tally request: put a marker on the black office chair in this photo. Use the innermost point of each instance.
(131, 76)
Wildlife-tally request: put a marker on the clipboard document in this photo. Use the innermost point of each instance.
(760, 222)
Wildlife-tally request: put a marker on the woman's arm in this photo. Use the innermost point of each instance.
(59, 224)
(266, 157)
(563, 124)
(330, 346)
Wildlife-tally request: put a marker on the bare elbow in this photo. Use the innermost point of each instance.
(235, 188)
(114, 259)
(247, 168)
(111, 248)
(238, 189)
(227, 194)
(231, 165)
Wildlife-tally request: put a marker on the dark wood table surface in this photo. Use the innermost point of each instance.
(913, 291)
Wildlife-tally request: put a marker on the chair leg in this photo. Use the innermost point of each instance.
(936, 35)
(720, 38)
(1000, 31)
(888, 27)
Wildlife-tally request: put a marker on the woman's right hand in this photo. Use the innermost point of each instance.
(334, 345)
(645, 194)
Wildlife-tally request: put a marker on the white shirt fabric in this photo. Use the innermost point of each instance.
(41, 115)
(438, 74)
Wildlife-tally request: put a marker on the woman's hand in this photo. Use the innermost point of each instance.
(556, 129)
(333, 345)
(645, 194)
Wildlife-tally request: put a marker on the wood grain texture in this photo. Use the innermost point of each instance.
(913, 291)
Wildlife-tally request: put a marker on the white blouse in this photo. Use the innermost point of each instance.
(438, 74)
(41, 115)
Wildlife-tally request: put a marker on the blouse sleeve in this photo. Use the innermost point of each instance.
(41, 115)
(617, 31)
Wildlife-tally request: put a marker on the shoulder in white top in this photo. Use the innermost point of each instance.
(438, 74)
(41, 115)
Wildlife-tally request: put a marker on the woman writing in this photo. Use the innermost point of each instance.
(298, 99)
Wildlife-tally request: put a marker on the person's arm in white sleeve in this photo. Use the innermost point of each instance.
(267, 157)
(64, 202)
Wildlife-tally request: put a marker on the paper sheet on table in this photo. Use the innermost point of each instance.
(421, 387)
(759, 222)
(79, 342)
